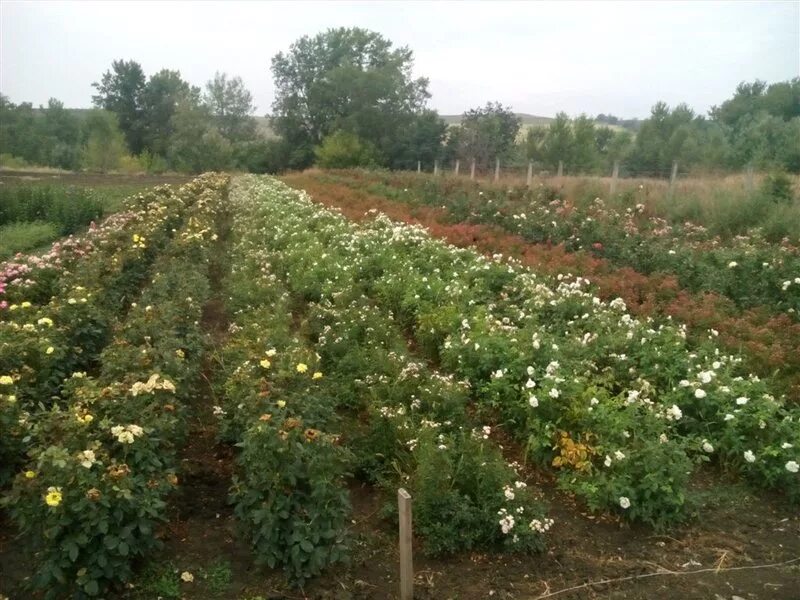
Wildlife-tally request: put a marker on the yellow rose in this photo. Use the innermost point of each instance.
(6, 380)
(317, 375)
(49, 350)
(30, 474)
(53, 497)
(265, 363)
(281, 403)
(26, 304)
(302, 368)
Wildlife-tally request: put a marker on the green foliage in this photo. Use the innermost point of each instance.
(462, 490)
(160, 97)
(778, 187)
(262, 156)
(21, 237)
(301, 530)
(67, 209)
(120, 91)
(485, 133)
(197, 146)
(342, 150)
(105, 146)
(314, 97)
(231, 104)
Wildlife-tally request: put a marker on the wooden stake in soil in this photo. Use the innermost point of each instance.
(672, 178)
(419, 167)
(497, 169)
(472, 170)
(458, 164)
(436, 167)
(614, 176)
(406, 563)
(560, 168)
(530, 173)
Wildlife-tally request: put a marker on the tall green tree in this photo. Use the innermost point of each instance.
(585, 156)
(420, 140)
(196, 144)
(120, 90)
(231, 106)
(560, 142)
(18, 132)
(105, 145)
(348, 79)
(486, 133)
(160, 98)
(61, 134)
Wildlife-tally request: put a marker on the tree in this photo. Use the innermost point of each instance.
(18, 133)
(534, 143)
(348, 79)
(487, 133)
(585, 157)
(560, 141)
(231, 105)
(120, 91)
(419, 140)
(196, 145)
(61, 133)
(159, 101)
(105, 145)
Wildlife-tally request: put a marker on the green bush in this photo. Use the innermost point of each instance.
(342, 150)
(777, 186)
(67, 208)
(291, 497)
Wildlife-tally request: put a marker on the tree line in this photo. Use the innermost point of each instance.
(347, 97)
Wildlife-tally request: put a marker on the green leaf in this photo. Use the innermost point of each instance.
(91, 588)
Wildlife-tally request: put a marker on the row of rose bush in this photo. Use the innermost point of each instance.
(60, 308)
(401, 423)
(92, 495)
(620, 406)
(749, 270)
(767, 341)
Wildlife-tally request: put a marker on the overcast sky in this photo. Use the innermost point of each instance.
(540, 58)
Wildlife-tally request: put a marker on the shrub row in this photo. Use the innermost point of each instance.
(92, 495)
(619, 406)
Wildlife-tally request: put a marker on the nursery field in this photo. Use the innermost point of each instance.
(216, 392)
(38, 207)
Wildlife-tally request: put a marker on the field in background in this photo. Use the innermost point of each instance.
(38, 206)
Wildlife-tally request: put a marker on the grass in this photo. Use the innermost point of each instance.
(22, 237)
(727, 205)
(33, 215)
(164, 581)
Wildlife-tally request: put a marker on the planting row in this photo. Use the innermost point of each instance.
(748, 269)
(333, 389)
(101, 456)
(58, 309)
(620, 406)
(767, 341)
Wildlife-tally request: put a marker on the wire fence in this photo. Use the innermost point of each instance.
(532, 173)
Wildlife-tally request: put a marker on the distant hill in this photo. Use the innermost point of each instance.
(538, 121)
(527, 120)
